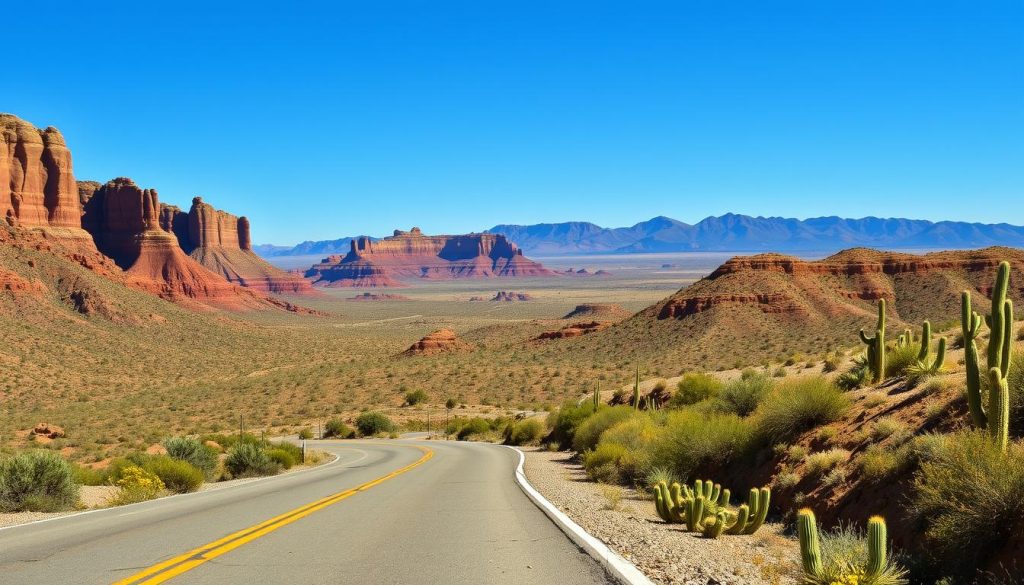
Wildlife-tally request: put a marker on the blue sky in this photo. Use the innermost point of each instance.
(324, 120)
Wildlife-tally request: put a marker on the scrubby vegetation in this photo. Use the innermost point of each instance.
(373, 423)
(36, 481)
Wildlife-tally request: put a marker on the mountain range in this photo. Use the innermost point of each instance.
(729, 232)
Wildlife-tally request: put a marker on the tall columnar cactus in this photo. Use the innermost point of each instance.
(597, 396)
(810, 550)
(923, 356)
(876, 345)
(877, 546)
(1000, 345)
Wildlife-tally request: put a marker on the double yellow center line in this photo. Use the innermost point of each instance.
(183, 563)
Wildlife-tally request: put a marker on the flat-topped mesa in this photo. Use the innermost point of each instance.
(37, 182)
(412, 255)
(222, 243)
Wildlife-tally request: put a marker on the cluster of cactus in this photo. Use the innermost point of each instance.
(876, 346)
(996, 418)
(877, 569)
(924, 361)
(705, 508)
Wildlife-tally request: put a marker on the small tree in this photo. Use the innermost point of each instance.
(372, 423)
(415, 397)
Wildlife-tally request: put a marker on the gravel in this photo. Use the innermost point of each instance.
(665, 553)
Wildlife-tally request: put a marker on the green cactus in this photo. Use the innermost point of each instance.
(597, 396)
(758, 508)
(876, 345)
(923, 356)
(810, 550)
(742, 517)
(905, 339)
(1000, 346)
(877, 547)
(714, 526)
(695, 514)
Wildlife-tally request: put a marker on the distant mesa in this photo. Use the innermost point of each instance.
(411, 255)
(439, 342)
(585, 272)
(379, 297)
(605, 311)
(576, 330)
(511, 296)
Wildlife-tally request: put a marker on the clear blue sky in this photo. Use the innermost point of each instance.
(324, 120)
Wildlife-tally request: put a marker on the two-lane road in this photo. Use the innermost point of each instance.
(385, 513)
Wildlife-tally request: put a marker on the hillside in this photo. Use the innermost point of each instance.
(766, 307)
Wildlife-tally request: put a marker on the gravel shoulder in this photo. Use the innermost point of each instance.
(665, 553)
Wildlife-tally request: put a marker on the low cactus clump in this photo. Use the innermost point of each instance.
(819, 569)
(705, 508)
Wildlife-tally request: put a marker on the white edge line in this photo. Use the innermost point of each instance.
(171, 497)
(619, 567)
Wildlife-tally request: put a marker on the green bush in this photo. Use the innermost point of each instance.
(589, 431)
(177, 476)
(970, 497)
(195, 453)
(250, 460)
(603, 463)
(37, 481)
(637, 434)
(564, 422)
(474, 426)
(137, 485)
(89, 476)
(281, 457)
(1016, 384)
(524, 432)
(799, 405)
(694, 388)
(372, 423)
(692, 442)
(338, 429)
(899, 361)
(743, 396)
(291, 448)
(415, 397)
(305, 434)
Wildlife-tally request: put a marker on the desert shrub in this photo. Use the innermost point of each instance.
(796, 453)
(878, 463)
(371, 423)
(797, 406)
(602, 464)
(338, 429)
(899, 361)
(844, 554)
(249, 460)
(637, 434)
(291, 448)
(656, 475)
(474, 426)
(177, 476)
(779, 372)
(831, 363)
(744, 395)
(1016, 384)
(886, 427)
(564, 422)
(875, 399)
(786, 480)
(824, 461)
(281, 457)
(228, 441)
(37, 481)
(305, 434)
(89, 476)
(856, 376)
(195, 453)
(137, 485)
(415, 397)
(694, 388)
(693, 442)
(590, 430)
(970, 497)
(524, 432)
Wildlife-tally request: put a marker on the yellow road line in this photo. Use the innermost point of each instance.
(171, 568)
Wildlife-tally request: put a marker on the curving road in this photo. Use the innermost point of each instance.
(392, 512)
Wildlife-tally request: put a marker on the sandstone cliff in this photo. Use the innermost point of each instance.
(440, 341)
(222, 243)
(37, 182)
(412, 255)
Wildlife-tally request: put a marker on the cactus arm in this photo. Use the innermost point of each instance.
(760, 511)
(940, 356)
(695, 514)
(970, 324)
(877, 547)
(926, 341)
(713, 527)
(726, 496)
(999, 409)
(1005, 355)
(996, 318)
(810, 551)
(740, 525)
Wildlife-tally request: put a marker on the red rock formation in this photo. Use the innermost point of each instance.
(37, 184)
(608, 311)
(575, 330)
(221, 242)
(511, 296)
(379, 297)
(412, 255)
(126, 224)
(440, 341)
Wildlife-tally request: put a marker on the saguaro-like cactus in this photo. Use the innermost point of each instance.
(923, 356)
(876, 345)
(1000, 345)
(597, 396)
(636, 389)
(877, 546)
(810, 550)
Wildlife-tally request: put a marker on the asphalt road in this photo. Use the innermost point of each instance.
(452, 514)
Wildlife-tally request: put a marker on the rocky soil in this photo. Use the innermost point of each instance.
(627, 522)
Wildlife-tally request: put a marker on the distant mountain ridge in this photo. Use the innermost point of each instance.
(729, 232)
